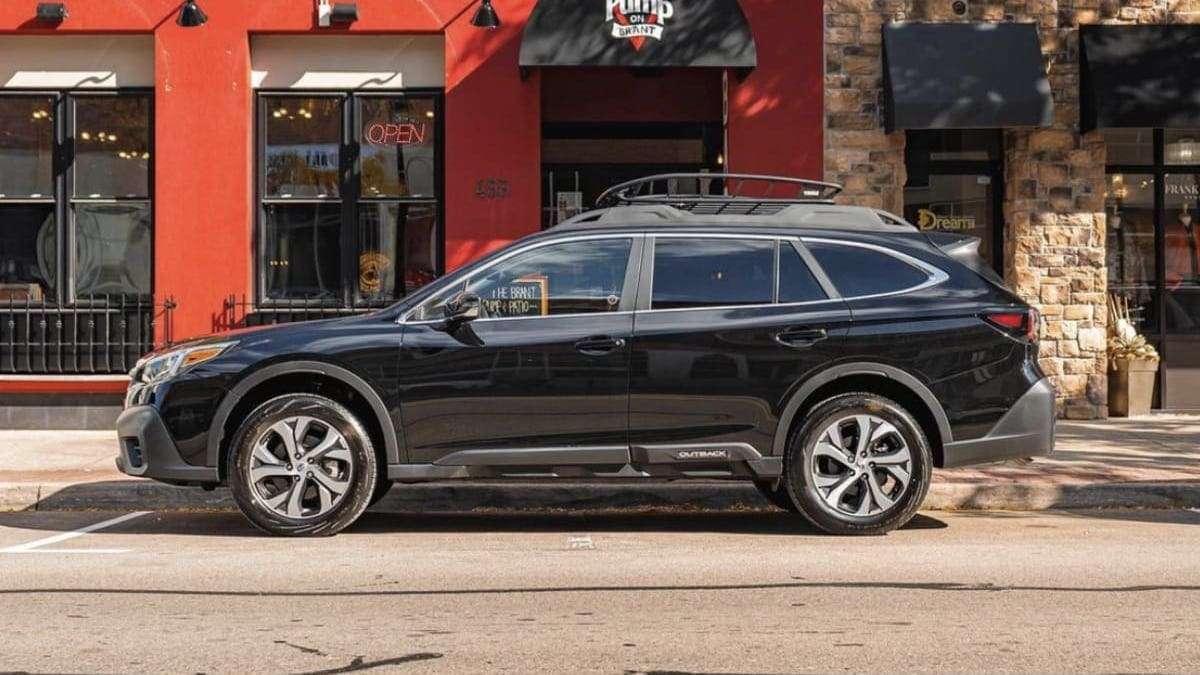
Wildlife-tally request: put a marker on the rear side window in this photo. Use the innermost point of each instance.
(858, 271)
(690, 273)
(796, 280)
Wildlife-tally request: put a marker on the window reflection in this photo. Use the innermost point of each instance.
(28, 252)
(394, 240)
(398, 141)
(1182, 253)
(302, 252)
(112, 250)
(1130, 247)
(27, 147)
(303, 146)
(575, 278)
(112, 146)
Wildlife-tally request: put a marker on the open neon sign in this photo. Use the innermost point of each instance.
(397, 133)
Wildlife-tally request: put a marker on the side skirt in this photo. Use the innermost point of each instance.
(654, 462)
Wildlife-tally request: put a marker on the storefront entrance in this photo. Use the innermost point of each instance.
(1154, 248)
(581, 161)
(955, 184)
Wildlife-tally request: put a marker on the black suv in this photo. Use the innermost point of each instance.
(831, 354)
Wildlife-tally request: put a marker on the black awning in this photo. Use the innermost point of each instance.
(964, 76)
(639, 33)
(1140, 76)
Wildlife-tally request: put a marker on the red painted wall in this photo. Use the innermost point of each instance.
(776, 116)
(204, 210)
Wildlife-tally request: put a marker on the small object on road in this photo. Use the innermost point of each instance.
(581, 544)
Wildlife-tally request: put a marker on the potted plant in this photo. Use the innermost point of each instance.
(1132, 363)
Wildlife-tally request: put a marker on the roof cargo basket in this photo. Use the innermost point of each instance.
(719, 193)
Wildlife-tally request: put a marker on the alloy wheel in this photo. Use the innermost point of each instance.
(861, 465)
(300, 468)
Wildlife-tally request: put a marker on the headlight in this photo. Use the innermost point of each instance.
(166, 366)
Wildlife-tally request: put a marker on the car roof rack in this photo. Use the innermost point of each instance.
(768, 195)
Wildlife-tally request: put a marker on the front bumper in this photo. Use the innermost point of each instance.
(1026, 430)
(147, 450)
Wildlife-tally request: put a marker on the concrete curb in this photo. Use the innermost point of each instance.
(129, 495)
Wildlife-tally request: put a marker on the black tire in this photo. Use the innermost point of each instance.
(799, 476)
(382, 487)
(360, 471)
(776, 493)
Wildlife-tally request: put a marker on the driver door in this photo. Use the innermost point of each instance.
(542, 376)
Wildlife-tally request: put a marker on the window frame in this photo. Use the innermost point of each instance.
(349, 198)
(64, 199)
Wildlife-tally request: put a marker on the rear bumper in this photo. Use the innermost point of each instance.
(1026, 430)
(147, 450)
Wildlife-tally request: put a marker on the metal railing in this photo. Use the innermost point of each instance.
(241, 311)
(98, 335)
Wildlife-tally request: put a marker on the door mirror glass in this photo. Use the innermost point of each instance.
(461, 308)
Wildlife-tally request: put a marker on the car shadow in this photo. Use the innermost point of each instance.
(507, 521)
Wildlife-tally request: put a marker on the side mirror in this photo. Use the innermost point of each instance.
(462, 308)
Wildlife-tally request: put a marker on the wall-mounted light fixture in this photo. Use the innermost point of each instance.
(339, 14)
(191, 16)
(51, 12)
(485, 16)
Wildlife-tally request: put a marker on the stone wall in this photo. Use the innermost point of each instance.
(1054, 177)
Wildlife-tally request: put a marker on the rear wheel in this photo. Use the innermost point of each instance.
(302, 465)
(859, 465)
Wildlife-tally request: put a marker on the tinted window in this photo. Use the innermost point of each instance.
(857, 271)
(579, 277)
(796, 281)
(712, 273)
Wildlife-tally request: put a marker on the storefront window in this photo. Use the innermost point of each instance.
(1130, 247)
(363, 236)
(112, 147)
(1130, 146)
(27, 147)
(1182, 253)
(1182, 147)
(399, 138)
(955, 185)
(106, 251)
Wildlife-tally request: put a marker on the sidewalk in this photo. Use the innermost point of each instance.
(1151, 462)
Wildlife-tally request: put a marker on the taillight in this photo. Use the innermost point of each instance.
(1023, 324)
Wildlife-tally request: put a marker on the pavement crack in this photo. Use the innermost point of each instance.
(360, 664)
(306, 650)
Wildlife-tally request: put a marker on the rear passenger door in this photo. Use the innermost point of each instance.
(726, 328)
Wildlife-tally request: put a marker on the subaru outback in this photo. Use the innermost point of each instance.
(692, 327)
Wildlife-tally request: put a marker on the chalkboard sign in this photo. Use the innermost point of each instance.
(526, 296)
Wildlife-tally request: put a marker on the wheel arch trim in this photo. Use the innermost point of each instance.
(834, 373)
(350, 379)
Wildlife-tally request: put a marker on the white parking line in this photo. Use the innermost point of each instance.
(36, 546)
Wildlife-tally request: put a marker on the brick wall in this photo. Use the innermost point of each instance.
(1054, 177)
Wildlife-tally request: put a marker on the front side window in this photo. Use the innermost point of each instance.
(579, 277)
(857, 271)
(104, 251)
(693, 272)
(350, 211)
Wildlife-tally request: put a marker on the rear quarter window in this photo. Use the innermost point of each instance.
(858, 271)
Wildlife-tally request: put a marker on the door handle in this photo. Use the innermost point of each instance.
(801, 338)
(599, 346)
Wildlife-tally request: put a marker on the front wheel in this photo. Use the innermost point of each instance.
(302, 465)
(859, 465)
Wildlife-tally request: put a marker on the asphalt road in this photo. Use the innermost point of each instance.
(749, 592)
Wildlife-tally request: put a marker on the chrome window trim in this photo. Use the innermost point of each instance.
(936, 275)
(404, 319)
